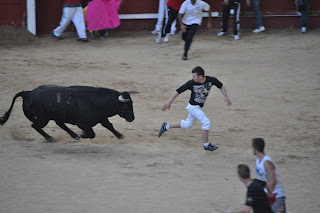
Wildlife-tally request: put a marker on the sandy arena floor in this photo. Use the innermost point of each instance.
(272, 79)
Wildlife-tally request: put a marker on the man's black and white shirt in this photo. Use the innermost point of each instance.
(199, 92)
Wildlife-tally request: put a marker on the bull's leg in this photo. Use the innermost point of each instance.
(38, 127)
(65, 128)
(106, 123)
(87, 131)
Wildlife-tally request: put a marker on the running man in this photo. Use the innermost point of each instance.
(200, 87)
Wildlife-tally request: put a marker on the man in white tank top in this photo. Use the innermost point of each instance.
(267, 171)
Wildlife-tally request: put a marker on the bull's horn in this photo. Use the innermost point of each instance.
(133, 92)
(121, 99)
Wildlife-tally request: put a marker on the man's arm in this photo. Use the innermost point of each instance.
(270, 170)
(245, 209)
(209, 25)
(224, 93)
(182, 26)
(168, 104)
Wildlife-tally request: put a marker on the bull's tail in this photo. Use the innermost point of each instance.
(6, 116)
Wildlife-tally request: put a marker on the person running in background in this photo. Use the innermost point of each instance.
(72, 11)
(190, 17)
(200, 86)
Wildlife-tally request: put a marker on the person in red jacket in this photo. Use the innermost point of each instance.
(173, 7)
(72, 11)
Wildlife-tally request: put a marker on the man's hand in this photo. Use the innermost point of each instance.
(248, 3)
(183, 28)
(228, 101)
(166, 106)
(209, 25)
(226, 2)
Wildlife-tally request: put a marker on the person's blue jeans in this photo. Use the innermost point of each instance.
(256, 9)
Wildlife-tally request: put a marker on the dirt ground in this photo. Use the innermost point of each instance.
(272, 79)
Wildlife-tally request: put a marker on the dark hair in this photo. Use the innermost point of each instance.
(258, 143)
(198, 70)
(243, 171)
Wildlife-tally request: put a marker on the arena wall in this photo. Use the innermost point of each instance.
(137, 15)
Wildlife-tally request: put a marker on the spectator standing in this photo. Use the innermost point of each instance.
(72, 11)
(257, 13)
(163, 15)
(303, 8)
(103, 15)
(190, 17)
(173, 7)
(256, 199)
(267, 171)
(226, 6)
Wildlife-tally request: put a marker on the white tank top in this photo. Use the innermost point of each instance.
(262, 175)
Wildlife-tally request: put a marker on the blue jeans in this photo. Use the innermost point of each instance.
(256, 9)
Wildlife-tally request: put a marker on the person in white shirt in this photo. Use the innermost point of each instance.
(190, 17)
(267, 171)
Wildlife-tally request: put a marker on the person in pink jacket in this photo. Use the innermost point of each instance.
(103, 15)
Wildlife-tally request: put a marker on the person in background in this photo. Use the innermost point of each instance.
(173, 7)
(163, 15)
(256, 200)
(190, 18)
(257, 13)
(303, 8)
(226, 6)
(267, 171)
(102, 15)
(72, 11)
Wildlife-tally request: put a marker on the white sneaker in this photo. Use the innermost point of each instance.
(221, 33)
(158, 41)
(155, 32)
(236, 37)
(261, 29)
(303, 29)
(166, 39)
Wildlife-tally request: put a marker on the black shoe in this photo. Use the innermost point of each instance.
(162, 129)
(82, 39)
(210, 147)
(58, 37)
(185, 57)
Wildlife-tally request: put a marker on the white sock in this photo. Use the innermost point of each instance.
(206, 144)
(167, 126)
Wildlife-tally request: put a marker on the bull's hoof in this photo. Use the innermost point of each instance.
(50, 139)
(120, 136)
(77, 137)
(84, 135)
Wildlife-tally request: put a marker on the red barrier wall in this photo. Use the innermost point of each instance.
(276, 14)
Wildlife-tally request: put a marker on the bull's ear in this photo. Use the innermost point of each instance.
(133, 92)
(121, 99)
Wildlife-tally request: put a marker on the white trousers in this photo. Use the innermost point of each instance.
(163, 13)
(195, 113)
(74, 14)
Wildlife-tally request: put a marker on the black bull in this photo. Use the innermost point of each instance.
(83, 106)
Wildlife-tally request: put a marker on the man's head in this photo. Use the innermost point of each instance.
(258, 145)
(243, 171)
(198, 74)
